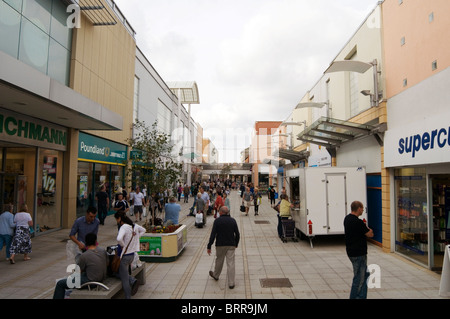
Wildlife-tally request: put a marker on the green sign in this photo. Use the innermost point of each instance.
(150, 246)
(27, 130)
(95, 149)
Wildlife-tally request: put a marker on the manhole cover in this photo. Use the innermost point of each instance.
(275, 283)
(262, 222)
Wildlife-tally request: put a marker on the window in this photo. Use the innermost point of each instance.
(164, 115)
(35, 32)
(431, 17)
(402, 41)
(434, 65)
(405, 82)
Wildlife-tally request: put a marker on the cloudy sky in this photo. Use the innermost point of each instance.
(253, 60)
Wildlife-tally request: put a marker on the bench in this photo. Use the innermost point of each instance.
(108, 288)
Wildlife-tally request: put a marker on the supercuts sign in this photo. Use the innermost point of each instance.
(418, 145)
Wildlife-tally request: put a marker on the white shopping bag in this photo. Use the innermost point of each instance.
(73, 251)
(144, 211)
(131, 210)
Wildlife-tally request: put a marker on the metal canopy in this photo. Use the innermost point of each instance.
(293, 156)
(348, 65)
(290, 155)
(187, 92)
(331, 133)
(97, 12)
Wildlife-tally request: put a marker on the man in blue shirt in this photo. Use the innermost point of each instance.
(172, 211)
(83, 226)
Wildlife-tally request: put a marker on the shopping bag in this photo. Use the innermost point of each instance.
(131, 210)
(144, 211)
(242, 208)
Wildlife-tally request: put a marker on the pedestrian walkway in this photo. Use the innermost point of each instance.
(266, 268)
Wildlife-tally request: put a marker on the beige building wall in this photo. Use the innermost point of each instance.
(415, 35)
(102, 69)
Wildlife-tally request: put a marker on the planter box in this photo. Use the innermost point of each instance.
(162, 247)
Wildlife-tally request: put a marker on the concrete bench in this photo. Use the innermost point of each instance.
(108, 288)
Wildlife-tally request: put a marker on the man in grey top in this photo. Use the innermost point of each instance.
(93, 265)
(247, 199)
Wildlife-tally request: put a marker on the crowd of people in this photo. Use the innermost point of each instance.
(209, 198)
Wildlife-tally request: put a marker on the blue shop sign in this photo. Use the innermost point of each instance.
(95, 149)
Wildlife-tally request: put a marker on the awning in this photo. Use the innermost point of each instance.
(187, 92)
(292, 155)
(27, 91)
(96, 11)
(331, 133)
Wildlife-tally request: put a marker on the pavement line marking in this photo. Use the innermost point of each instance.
(182, 285)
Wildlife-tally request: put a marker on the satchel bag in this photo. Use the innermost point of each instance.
(115, 263)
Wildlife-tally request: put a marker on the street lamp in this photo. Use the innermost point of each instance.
(360, 67)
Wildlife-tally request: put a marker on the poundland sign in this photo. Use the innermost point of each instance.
(95, 149)
(18, 128)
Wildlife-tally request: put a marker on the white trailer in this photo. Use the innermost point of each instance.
(322, 198)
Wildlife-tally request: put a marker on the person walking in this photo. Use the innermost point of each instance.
(225, 233)
(7, 226)
(256, 200)
(138, 201)
(247, 199)
(356, 234)
(102, 199)
(128, 240)
(21, 243)
(93, 266)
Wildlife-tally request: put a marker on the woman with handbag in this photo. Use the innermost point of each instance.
(128, 241)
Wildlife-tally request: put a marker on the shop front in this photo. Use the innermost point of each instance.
(100, 162)
(417, 152)
(31, 167)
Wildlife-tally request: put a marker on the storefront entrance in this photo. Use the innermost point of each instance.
(441, 222)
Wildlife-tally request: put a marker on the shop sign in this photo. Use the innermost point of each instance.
(18, 128)
(418, 146)
(96, 149)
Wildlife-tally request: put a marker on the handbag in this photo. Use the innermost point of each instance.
(115, 263)
(242, 208)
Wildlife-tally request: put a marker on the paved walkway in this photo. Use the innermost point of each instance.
(322, 272)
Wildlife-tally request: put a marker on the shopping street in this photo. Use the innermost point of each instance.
(295, 269)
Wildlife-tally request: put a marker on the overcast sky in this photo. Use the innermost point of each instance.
(253, 60)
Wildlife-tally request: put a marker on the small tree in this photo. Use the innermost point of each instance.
(152, 161)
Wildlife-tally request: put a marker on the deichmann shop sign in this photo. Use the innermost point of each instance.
(22, 129)
(96, 149)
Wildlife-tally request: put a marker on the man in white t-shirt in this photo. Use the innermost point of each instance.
(139, 202)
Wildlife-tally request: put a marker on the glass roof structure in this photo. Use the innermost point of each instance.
(331, 133)
(187, 92)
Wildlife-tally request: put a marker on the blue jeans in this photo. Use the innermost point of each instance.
(360, 276)
(124, 275)
(61, 286)
(6, 240)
